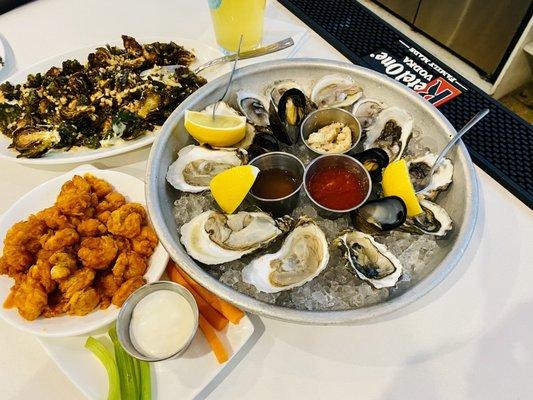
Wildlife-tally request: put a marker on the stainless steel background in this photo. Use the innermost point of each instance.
(406, 9)
(480, 31)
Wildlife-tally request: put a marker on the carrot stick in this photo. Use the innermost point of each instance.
(217, 320)
(216, 345)
(226, 309)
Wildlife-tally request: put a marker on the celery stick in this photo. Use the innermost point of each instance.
(146, 381)
(126, 369)
(106, 358)
(137, 368)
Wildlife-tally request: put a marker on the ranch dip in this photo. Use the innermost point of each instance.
(161, 324)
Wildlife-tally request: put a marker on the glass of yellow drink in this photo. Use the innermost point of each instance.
(233, 18)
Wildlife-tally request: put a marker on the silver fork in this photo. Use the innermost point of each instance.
(261, 51)
(230, 77)
(427, 179)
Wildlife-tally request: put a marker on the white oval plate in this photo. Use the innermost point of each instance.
(193, 375)
(203, 54)
(2, 55)
(44, 196)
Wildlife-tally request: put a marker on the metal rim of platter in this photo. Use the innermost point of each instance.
(159, 194)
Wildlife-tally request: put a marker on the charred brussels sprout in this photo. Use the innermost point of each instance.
(68, 136)
(9, 113)
(33, 142)
(70, 67)
(100, 58)
(34, 81)
(132, 46)
(9, 92)
(92, 142)
(131, 125)
(150, 102)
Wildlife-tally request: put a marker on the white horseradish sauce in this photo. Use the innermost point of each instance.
(161, 324)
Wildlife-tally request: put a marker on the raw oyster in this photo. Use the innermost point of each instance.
(247, 140)
(215, 238)
(441, 179)
(253, 107)
(336, 90)
(380, 215)
(371, 261)
(367, 110)
(303, 255)
(433, 221)
(391, 132)
(197, 165)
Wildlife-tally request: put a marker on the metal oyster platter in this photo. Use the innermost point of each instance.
(460, 200)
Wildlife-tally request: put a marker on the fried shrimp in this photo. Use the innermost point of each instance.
(98, 252)
(126, 221)
(83, 301)
(91, 249)
(30, 298)
(53, 218)
(91, 227)
(111, 202)
(126, 289)
(75, 197)
(63, 264)
(99, 186)
(129, 265)
(145, 242)
(61, 239)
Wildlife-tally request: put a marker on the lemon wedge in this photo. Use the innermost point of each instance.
(229, 188)
(396, 182)
(221, 131)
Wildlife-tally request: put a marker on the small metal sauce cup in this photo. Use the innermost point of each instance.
(281, 160)
(336, 160)
(326, 116)
(124, 317)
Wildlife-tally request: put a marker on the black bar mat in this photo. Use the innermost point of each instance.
(501, 144)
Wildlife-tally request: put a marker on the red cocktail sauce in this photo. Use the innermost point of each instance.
(337, 188)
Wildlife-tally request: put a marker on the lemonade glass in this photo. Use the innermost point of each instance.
(233, 18)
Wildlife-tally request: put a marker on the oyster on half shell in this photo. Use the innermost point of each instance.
(442, 177)
(366, 111)
(303, 255)
(197, 165)
(434, 220)
(215, 238)
(371, 261)
(391, 132)
(336, 90)
(253, 107)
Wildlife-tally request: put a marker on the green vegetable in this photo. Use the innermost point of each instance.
(126, 368)
(8, 114)
(134, 124)
(106, 358)
(137, 368)
(146, 380)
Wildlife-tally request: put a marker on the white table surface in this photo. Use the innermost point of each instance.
(471, 338)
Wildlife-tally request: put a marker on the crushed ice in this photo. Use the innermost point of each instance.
(336, 288)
